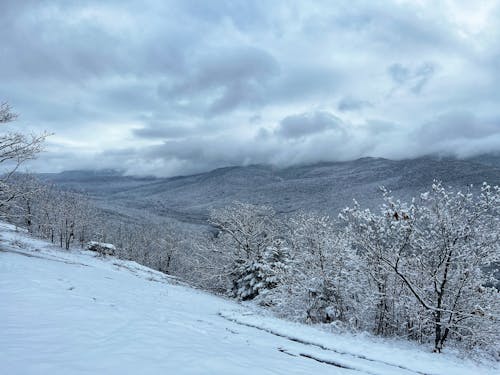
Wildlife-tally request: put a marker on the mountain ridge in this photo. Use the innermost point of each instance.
(325, 187)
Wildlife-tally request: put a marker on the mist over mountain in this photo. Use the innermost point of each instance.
(323, 187)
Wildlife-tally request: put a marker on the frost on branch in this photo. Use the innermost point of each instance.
(248, 239)
(15, 149)
(428, 261)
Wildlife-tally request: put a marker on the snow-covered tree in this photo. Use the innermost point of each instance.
(60, 216)
(246, 236)
(25, 201)
(15, 149)
(375, 237)
(321, 280)
(438, 248)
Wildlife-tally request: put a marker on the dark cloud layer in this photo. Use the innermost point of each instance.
(175, 87)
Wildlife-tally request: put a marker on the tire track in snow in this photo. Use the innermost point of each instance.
(392, 366)
(310, 356)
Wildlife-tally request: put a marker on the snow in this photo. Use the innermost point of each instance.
(101, 244)
(70, 312)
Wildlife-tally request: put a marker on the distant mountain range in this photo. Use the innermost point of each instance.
(325, 187)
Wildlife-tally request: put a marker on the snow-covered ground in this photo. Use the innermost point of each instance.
(73, 313)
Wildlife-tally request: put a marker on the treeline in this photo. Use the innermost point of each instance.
(69, 219)
(417, 270)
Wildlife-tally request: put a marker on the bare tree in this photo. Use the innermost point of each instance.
(6, 114)
(15, 149)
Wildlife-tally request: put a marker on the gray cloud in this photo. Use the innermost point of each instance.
(457, 125)
(414, 79)
(160, 131)
(349, 103)
(399, 73)
(237, 76)
(171, 87)
(297, 126)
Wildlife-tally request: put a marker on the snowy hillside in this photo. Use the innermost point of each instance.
(323, 187)
(73, 313)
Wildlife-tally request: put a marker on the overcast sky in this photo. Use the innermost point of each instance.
(178, 87)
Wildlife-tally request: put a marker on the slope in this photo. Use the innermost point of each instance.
(68, 312)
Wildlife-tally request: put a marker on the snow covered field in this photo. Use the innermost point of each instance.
(73, 313)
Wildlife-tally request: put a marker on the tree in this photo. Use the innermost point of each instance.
(15, 149)
(376, 237)
(6, 114)
(29, 192)
(438, 248)
(321, 280)
(246, 235)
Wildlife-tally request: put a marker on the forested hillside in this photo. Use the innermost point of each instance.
(325, 187)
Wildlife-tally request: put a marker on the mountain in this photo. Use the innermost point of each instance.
(69, 312)
(325, 187)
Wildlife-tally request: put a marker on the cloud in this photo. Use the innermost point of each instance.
(223, 79)
(414, 79)
(349, 103)
(399, 73)
(161, 131)
(171, 87)
(296, 126)
(457, 125)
